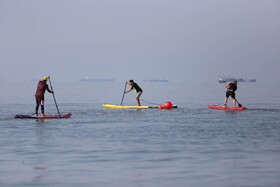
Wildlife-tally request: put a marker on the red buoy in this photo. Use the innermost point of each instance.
(168, 105)
(160, 107)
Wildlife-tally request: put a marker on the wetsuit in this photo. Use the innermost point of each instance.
(231, 88)
(39, 95)
(137, 89)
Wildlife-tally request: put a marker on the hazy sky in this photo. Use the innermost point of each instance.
(189, 40)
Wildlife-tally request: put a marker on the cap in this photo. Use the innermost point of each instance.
(44, 78)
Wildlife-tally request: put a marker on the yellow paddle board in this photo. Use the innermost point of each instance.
(124, 106)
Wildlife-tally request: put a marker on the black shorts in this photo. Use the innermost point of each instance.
(230, 93)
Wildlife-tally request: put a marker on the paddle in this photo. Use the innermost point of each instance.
(123, 93)
(54, 98)
(238, 103)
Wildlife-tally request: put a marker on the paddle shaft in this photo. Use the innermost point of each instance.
(238, 103)
(54, 98)
(123, 93)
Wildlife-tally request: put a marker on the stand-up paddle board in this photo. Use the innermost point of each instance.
(130, 106)
(22, 116)
(219, 107)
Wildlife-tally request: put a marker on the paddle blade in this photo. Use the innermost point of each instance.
(239, 105)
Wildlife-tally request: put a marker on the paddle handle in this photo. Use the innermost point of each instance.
(123, 93)
(54, 98)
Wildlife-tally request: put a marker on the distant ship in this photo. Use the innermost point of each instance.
(252, 80)
(87, 79)
(224, 79)
(155, 80)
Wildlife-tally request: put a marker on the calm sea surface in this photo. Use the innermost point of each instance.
(189, 146)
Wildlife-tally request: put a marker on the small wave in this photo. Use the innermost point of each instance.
(264, 109)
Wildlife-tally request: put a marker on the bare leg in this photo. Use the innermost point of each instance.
(234, 102)
(225, 102)
(137, 98)
(138, 101)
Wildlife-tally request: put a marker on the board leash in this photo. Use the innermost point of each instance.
(149, 102)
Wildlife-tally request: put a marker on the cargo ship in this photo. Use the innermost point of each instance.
(224, 79)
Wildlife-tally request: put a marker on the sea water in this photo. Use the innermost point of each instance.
(189, 146)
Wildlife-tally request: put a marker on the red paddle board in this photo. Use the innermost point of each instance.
(219, 107)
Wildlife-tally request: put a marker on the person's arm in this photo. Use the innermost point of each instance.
(128, 91)
(226, 85)
(50, 91)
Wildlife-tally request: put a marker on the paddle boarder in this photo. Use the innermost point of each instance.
(231, 88)
(39, 95)
(136, 88)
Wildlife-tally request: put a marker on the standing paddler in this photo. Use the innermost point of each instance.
(231, 88)
(39, 95)
(136, 88)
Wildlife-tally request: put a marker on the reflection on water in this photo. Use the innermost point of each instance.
(39, 177)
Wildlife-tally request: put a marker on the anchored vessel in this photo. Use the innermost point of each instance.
(224, 79)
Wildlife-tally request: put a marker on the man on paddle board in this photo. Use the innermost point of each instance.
(136, 88)
(39, 95)
(231, 88)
